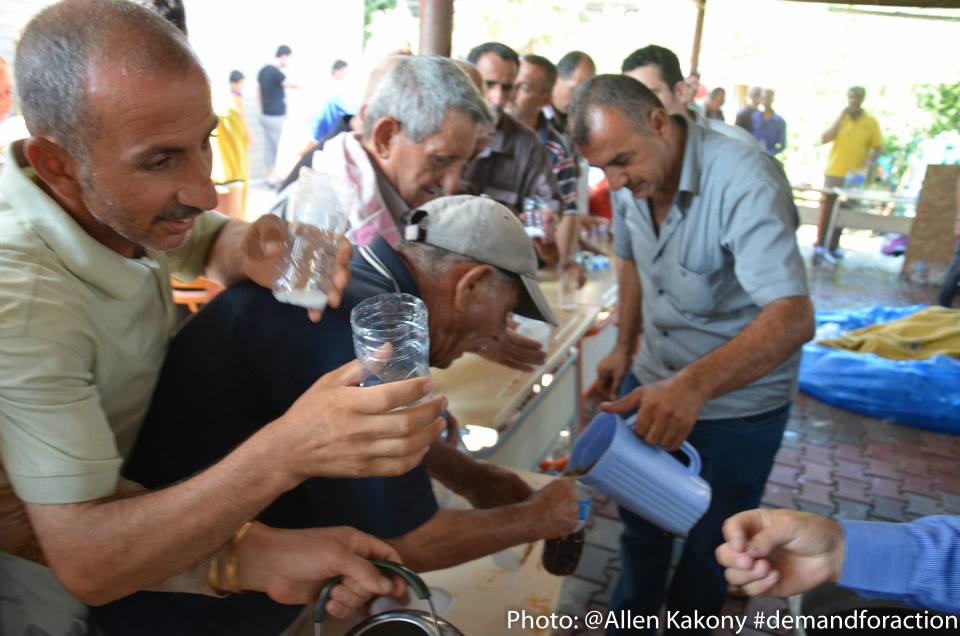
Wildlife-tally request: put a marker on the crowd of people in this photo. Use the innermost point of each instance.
(127, 500)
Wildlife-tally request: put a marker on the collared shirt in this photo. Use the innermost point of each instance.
(398, 208)
(558, 119)
(726, 248)
(83, 333)
(512, 167)
(725, 129)
(563, 160)
(916, 562)
(852, 145)
(251, 358)
(772, 133)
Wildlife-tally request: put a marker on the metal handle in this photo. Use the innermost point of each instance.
(409, 577)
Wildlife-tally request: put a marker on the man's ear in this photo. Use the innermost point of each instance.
(658, 122)
(469, 286)
(681, 90)
(57, 168)
(385, 131)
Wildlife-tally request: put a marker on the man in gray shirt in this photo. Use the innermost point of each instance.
(709, 273)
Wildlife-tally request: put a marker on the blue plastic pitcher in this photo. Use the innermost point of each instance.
(646, 480)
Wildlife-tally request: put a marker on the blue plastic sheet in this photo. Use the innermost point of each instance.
(920, 393)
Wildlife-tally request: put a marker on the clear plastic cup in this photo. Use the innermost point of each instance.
(568, 291)
(317, 222)
(533, 208)
(391, 338)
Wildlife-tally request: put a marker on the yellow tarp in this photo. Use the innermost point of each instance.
(930, 331)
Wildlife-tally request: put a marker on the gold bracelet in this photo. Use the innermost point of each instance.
(233, 558)
(213, 576)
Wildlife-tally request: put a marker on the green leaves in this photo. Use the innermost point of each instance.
(943, 102)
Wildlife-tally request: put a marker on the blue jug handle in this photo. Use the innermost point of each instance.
(691, 452)
(695, 464)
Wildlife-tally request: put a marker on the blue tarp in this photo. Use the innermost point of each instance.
(920, 393)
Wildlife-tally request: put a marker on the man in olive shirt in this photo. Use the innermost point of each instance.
(710, 275)
(97, 207)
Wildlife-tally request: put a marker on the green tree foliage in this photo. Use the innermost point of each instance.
(943, 102)
(371, 7)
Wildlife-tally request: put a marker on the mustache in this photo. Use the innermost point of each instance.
(178, 213)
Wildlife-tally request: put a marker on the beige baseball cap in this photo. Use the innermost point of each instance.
(485, 231)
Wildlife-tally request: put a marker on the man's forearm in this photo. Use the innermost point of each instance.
(773, 336)
(105, 550)
(629, 305)
(449, 466)
(225, 261)
(453, 537)
(831, 133)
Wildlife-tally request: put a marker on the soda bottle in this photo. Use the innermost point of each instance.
(561, 556)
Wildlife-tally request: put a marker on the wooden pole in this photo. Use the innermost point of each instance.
(436, 27)
(698, 35)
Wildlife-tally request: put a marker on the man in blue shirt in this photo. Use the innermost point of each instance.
(784, 552)
(768, 127)
(247, 357)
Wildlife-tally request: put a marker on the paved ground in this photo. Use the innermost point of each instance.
(832, 462)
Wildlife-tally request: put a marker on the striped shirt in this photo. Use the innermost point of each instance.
(916, 562)
(563, 161)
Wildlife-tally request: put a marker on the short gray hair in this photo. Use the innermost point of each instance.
(61, 45)
(418, 91)
(619, 92)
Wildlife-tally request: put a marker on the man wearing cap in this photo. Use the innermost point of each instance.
(471, 262)
(709, 274)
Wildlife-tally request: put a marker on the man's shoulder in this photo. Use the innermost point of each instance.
(736, 163)
(518, 132)
(733, 132)
(28, 266)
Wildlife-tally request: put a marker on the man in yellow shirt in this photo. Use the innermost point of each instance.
(856, 145)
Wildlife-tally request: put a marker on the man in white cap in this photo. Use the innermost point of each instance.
(470, 261)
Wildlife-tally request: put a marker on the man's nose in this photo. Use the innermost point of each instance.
(198, 191)
(616, 178)
(497, 96)
(452, 178)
